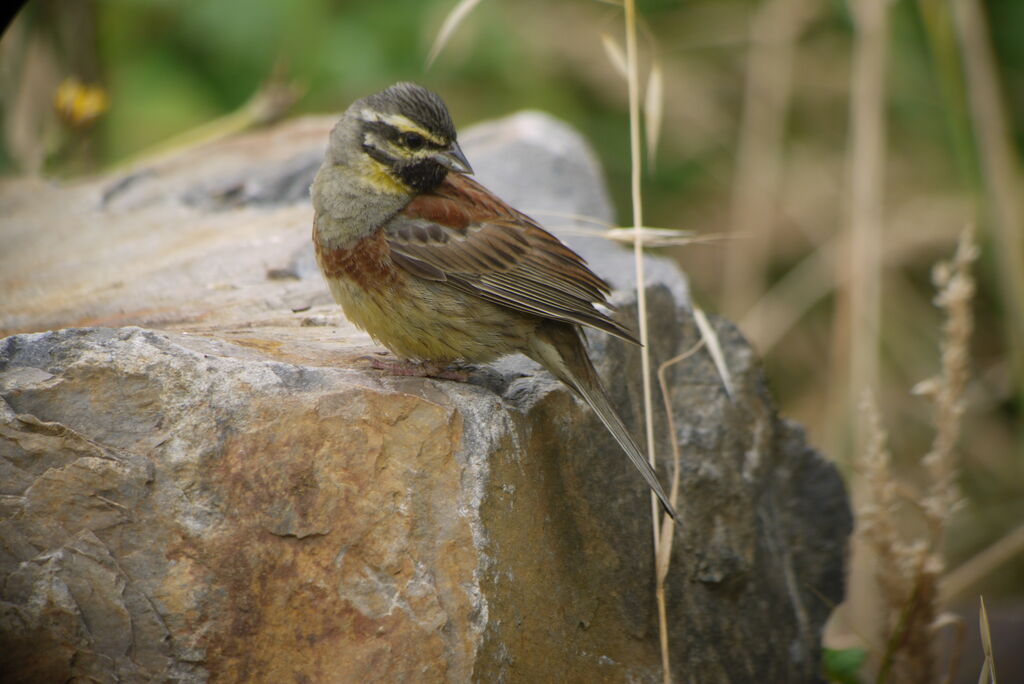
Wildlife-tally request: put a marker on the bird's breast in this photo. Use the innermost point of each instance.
(413, 317)
(366, 263)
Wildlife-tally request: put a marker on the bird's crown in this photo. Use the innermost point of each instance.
(410, 108)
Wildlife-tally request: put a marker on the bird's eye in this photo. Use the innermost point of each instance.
(413, 141)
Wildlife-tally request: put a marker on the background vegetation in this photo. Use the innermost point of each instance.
(760, 104)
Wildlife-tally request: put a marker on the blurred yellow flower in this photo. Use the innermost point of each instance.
(78, 104)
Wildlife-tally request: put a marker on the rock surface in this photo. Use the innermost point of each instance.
(222, 491)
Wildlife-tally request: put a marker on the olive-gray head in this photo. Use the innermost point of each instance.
(407, 130)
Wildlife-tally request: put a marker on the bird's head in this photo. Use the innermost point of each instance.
(402, 138)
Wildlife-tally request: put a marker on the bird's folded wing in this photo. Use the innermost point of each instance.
(462, 234)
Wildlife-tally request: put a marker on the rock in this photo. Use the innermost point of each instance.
(222, 490)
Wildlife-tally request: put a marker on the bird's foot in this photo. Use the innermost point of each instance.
(417, 369)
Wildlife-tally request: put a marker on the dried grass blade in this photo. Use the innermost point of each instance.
(653, 237)
(988, 668)
(673, 497)
(654, 107)
(668, 525)
(960, 635)
(451, 22)
(615, 55)
(710, 338)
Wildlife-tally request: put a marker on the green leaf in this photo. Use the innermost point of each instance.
(842, 666)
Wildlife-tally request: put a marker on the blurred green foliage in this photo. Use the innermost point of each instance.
(172, 65)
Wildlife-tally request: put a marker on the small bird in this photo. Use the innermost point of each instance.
(439, 270)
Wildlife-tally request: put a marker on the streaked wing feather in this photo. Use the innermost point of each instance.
(594, 319)
(418, 268)
(463, 234)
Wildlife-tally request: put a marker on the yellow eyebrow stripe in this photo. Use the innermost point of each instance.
(402, 123)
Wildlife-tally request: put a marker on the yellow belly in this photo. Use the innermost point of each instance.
(428, 321)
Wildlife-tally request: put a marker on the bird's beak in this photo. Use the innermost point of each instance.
(454, 159)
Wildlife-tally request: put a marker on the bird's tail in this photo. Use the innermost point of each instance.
(559, 348)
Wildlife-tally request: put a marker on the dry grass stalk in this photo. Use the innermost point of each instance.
(955, 292)
(1001, 172)
(908, 572)
(861, 296)
(663, 558)
(779, 309)
(982, 564)
(899, 563)
(633, 83)
(904, 571)
(664, 553)
(666, 399)
(773, 36)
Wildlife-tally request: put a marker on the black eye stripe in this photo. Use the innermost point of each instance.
(412, 140)
(401, 137)
(379, 127)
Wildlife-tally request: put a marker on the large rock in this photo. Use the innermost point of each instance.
(227, 493)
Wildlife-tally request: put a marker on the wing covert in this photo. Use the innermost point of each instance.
(460, 233)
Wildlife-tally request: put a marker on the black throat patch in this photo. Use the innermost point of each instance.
(422, 175)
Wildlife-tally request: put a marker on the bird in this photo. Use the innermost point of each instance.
(439, 270)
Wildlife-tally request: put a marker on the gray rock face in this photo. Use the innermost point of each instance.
(227, 494)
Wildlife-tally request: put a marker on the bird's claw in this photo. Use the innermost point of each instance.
(416, 369)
